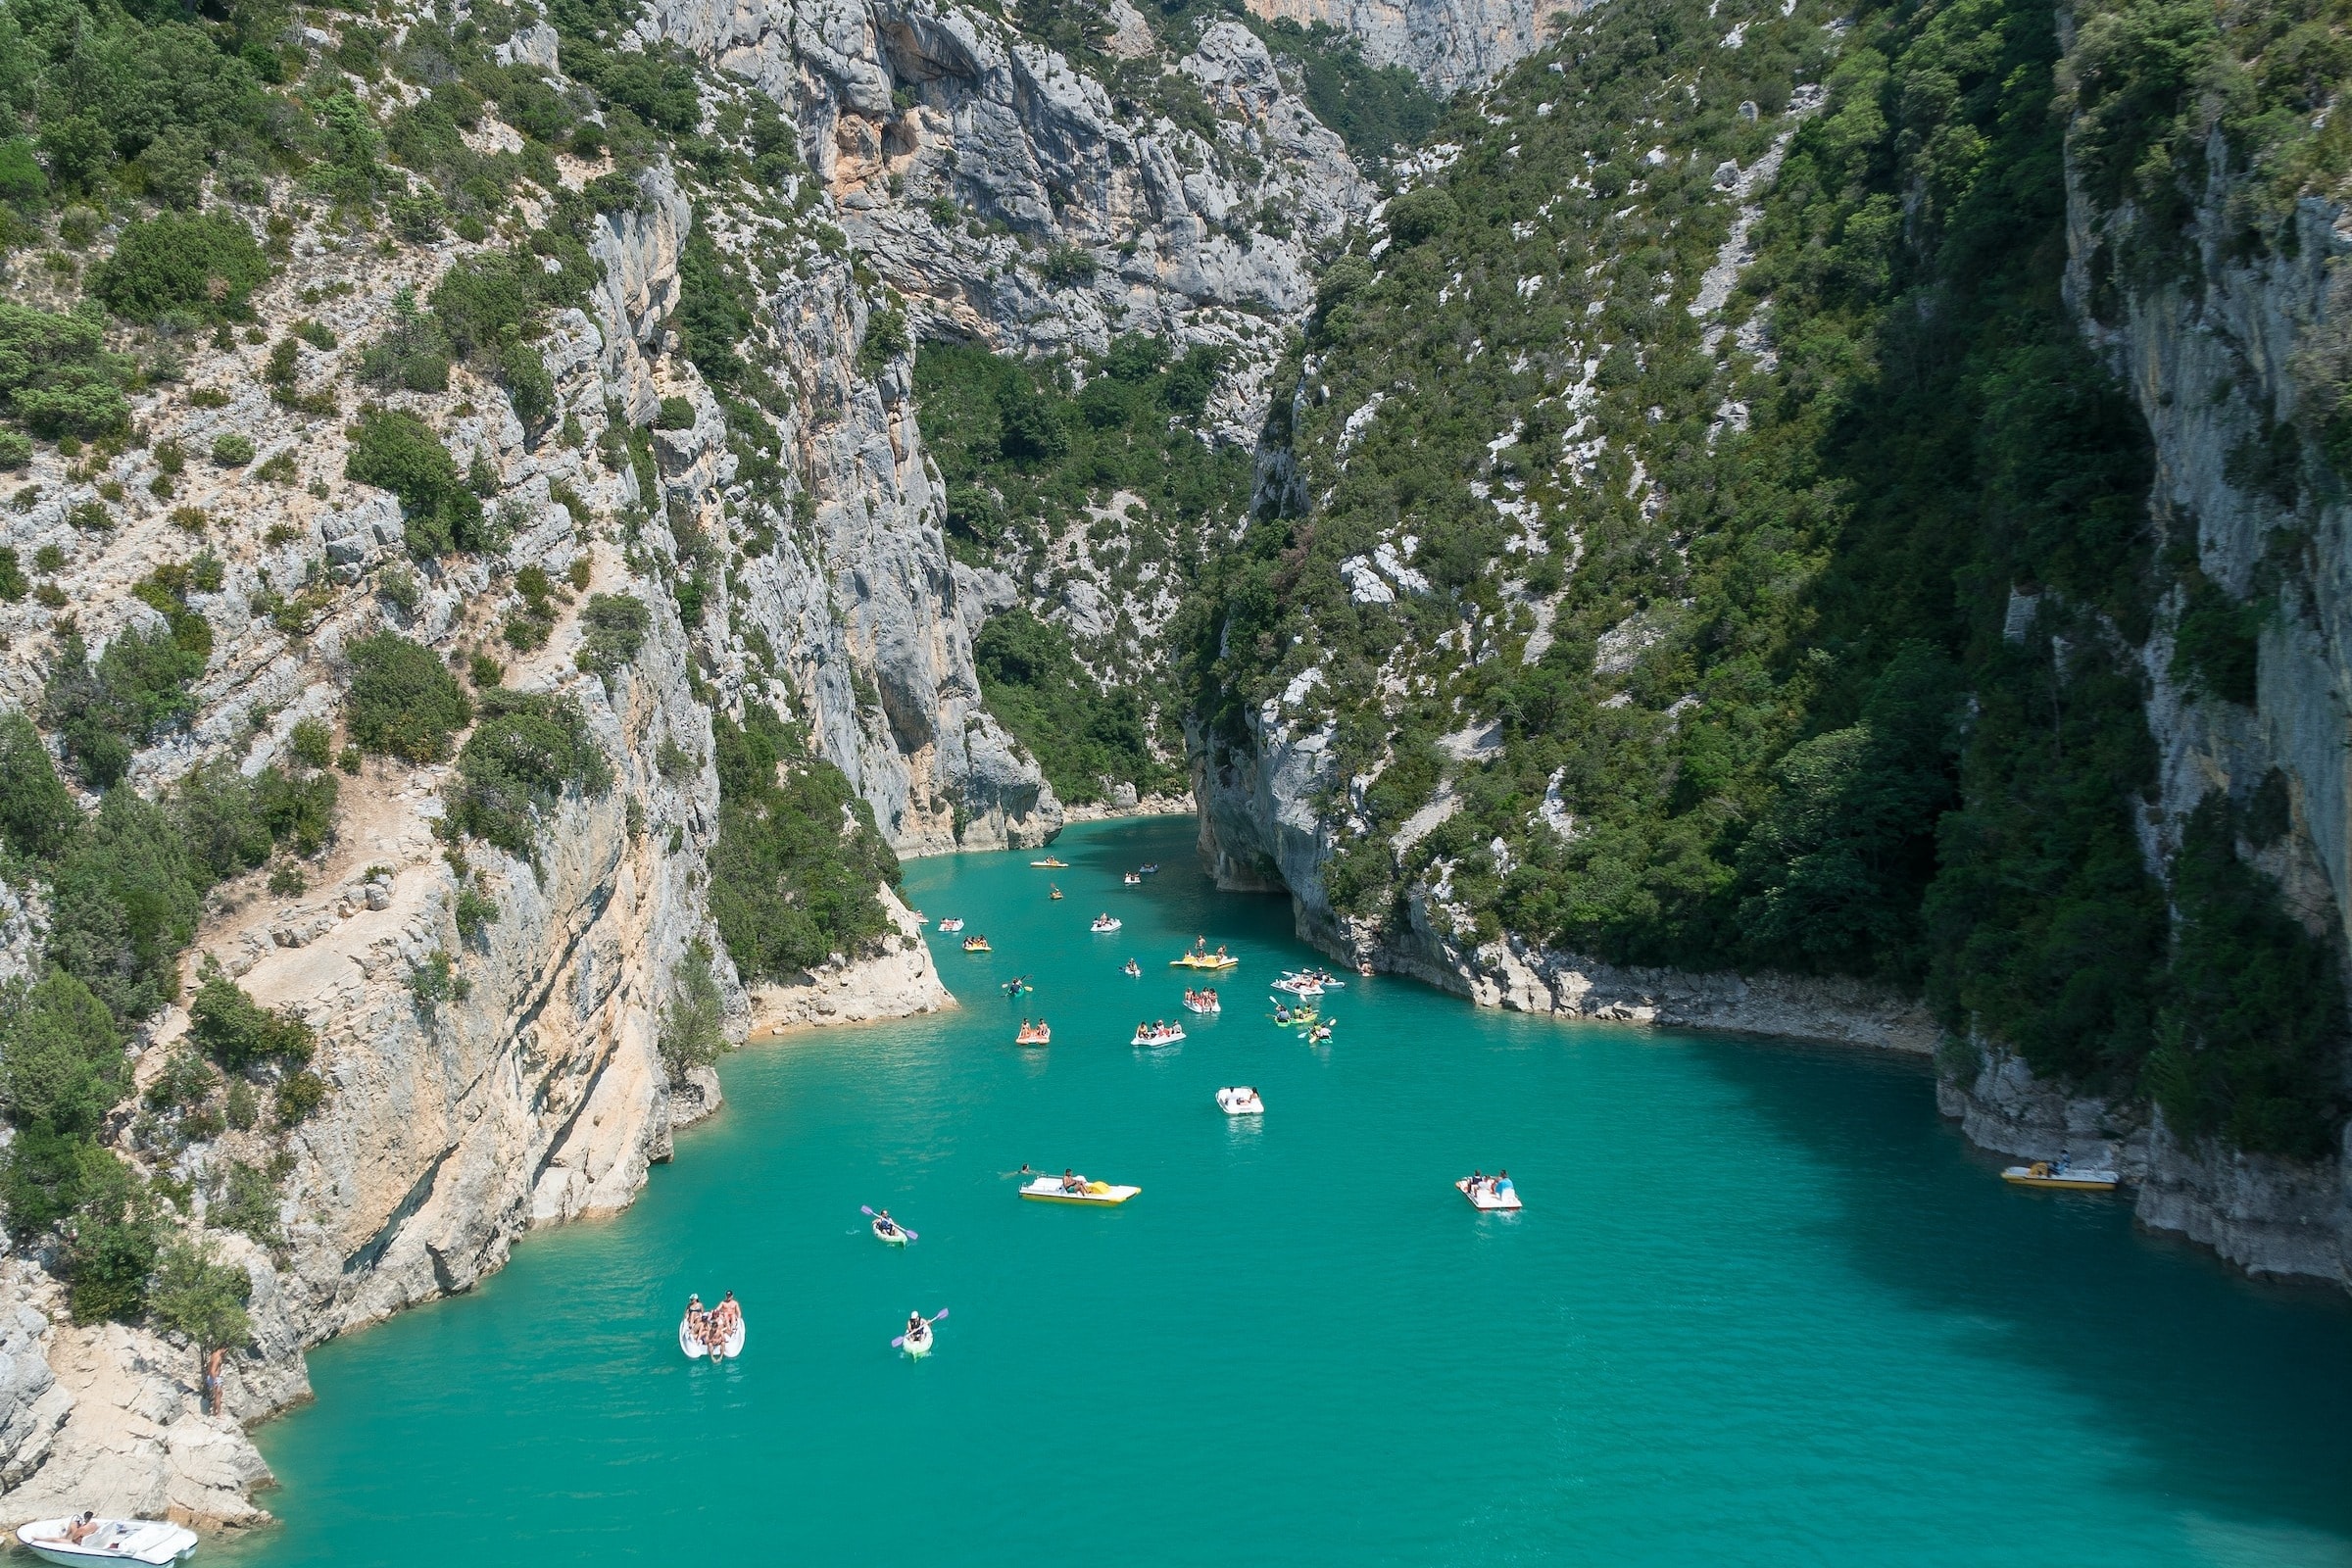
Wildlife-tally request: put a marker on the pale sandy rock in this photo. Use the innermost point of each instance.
(894, 984)
(1449, 44)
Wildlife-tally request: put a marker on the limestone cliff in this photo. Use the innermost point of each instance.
(1449, 44)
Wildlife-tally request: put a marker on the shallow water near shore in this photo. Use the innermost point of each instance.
(1763, 1307)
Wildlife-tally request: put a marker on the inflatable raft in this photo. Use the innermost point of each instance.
(1100, 1194)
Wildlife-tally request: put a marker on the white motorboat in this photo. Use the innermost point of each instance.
(1048, 1190)
(697, 1350)
(2062, 1175)
(1158, 1036)
(1490, 1194)
(1241, 1100)
(1105, 924)
(952, 923)
(155, 1541)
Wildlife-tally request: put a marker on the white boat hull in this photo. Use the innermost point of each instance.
(1100, 1194)
(1101, 929)
(1240, 1102)
(1203, 1006)
(918, 1345)
(115, 1540)
(1485, 1199)
(697, 1350)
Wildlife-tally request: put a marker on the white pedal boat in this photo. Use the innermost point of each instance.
(1204, 1005)
(697, 1350)
(1132, 880)
(1105, 924)
(155, 1541)
(1298, 986)
(1241, 1100)
(1164, 1037)
(952, 923)
(1047, 1189)
(1485, 1197)
(889, 1231)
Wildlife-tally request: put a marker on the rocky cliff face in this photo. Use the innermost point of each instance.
(1449, 44)
(2213, 366)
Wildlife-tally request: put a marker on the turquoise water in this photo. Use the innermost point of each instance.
(1762, 1308)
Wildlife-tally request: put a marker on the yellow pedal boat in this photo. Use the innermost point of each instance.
(976, 945)
(1205, 961)
(2042, 1173)
(1047, 1189)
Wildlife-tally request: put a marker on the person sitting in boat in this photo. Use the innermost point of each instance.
(1503, 1184)
(729, 1314)
(888, 1226)
(81, 1529)
(694, 1315)
(1072, 1181)
(915, 1325)
(1133, 968)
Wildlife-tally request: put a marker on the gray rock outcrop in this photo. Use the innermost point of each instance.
(1449, 44)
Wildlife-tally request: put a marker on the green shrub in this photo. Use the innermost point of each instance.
(125, 897)
(61, 1058)
(676, 413)
(239, 1034)
(36, 813)
(1421, 214)
(247, 1202)
(1065, 267)
(208, 266)
(614, 626)
(233, 449)
(1080, 734)
(527, 749)
(137, 688)
(886, 338)
(203, 1299)
(798, 860)
(396, 451)
(402, 702)
(231, 822)
(312, 743)
(695, 1018)
(55, 373)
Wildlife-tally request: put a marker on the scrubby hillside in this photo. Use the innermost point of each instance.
(1711, 532)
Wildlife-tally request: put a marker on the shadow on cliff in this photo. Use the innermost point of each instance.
(2231, 1391)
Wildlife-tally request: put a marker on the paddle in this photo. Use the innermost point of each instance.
(870, 1214)
(900, 1343)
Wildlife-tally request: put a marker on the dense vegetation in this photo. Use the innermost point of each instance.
(1037, 457)
(1790, 713)
(798, 860)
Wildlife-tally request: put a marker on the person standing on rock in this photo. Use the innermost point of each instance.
(212, 1380)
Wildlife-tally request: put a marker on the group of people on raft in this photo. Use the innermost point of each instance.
(1033, 1034)
(712, 1328)
(1497, 1185)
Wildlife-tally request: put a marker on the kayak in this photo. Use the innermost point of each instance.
(887, 1232)
(1100, 1194)
(919, 1342)
(1241, 1100)
(149, 1540)
(1484, 1197)
(697, 1350)
(2042, 1173)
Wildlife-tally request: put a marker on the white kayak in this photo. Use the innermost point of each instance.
(919, 1342)
(1047, 1189)
(889, 1231)
(1484, 1195)
(697, 1350)
(155, 1541)
(1162, 1037)
(1241, 1100)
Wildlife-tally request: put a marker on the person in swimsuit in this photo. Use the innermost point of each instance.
(1071, 1183)
(81, 1529)
(1024, 1173)
(212, 1380)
